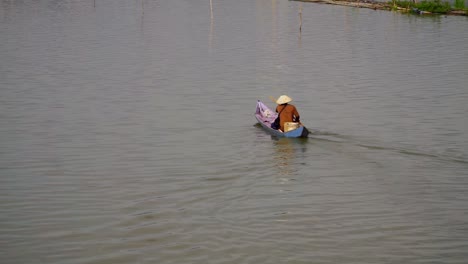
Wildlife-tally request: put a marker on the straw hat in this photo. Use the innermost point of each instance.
(283, 99)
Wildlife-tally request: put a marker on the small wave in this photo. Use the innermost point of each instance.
(351, 140)
(323, 133)
(419, 153)
(333, 137)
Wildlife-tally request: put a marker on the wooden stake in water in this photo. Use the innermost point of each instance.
(210, 38)
(211, 8)
(300, 17)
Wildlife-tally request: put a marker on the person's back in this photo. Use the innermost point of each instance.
(287, 112)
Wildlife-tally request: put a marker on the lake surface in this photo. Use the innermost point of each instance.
(127, 133)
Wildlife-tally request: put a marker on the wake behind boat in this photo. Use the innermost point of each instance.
(265, 116)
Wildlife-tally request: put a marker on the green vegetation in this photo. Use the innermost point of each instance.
(432, 6)
(435, 6)
(460, 4)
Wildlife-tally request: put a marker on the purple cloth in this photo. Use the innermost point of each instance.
(265, 113)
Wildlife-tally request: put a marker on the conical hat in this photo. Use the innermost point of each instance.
(283, 99)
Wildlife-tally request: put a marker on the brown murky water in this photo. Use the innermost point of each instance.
(127, 134)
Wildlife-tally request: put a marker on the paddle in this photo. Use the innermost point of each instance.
(273, 99)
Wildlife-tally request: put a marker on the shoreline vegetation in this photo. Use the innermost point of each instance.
(431, 7)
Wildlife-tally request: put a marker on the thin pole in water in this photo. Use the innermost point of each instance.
(300, 17)
(211, 8)
(210, 38)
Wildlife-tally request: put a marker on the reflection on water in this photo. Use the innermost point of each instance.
(284, 156)
(210, 37)
(289, 154)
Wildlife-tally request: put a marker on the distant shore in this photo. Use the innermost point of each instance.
(371, 4)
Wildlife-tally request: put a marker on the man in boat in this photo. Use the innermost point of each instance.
(287, 112)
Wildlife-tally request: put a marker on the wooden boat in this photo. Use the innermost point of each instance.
(265, 116)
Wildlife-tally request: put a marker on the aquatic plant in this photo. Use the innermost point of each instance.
(434, 6)
(459, 4)
(396, 4)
